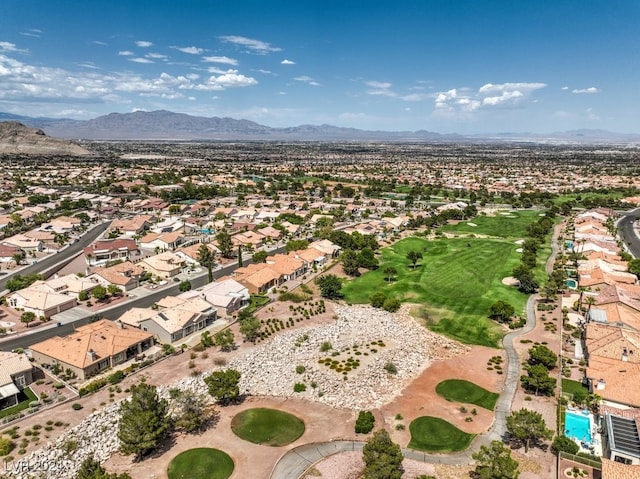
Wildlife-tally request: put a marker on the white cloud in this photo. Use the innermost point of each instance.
(126, 53)
(565, 88)
(378, 84)
(256, 46)
(98, 42)
(158, 56)
(465, 102)
(32, 32)
(223, 59)
(287, 62)
(224, 81)
(589, 90)
(144, 44)
(307, 79)
(11, 47)
(219, 71)
(190, 50)
(266, 72)
(140, 60)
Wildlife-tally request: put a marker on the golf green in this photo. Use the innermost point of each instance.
(463, 391)
(201, 463)
(432, 434)
(269, 427)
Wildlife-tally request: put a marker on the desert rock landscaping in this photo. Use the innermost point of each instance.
(382, 339)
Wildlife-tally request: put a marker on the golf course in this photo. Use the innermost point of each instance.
(458, 277)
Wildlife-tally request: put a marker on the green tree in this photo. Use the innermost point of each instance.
(495, 462)
(414, 256)
(207, 259)
(389, 273)
(99, 292)
(240, 260)
(114, 290)
(633, 266)
(365, 422)
(350, 263)
(224, 339)
(28, 317)
(19, 257)
(260, 257)
(501, 310)
(225, 243)
(295, 245)
(330, 286)
(184, 286)
(540, 354)
(382, 457)
(366, 259)
(538, 380)
(144, 421)
(224, 385)
(564, 444)
(378, 299)
(526, 425)
(189, 409)
(92, 469)
(250, 328)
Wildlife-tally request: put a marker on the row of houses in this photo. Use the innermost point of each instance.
(610, 341)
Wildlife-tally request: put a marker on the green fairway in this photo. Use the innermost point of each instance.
(201, 463)
(504, 224)
(432, 434)
(267, 426)
(464, 391)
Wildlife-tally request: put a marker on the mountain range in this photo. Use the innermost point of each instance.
(167, 125)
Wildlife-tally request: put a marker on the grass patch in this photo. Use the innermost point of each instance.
(256, 302)
(265, 426)
(201, 463)
(575, 388)
(464, 391)
(432, 434)
(24, 397)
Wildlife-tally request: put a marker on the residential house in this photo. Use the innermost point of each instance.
(163, 265)
(162, 241)
(620, 441)
(175, 319)
(227, 296)
(270, 232)
(41, 303)
(125, 276)
(70, 285)
(93, 348)
(16, 373)
(24, 242)
(131, 226)
(248, 239)
(101, 252)
(258, 278)
(190, 253)
(7, 253)
(329, 249)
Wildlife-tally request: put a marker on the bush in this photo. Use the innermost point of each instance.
(325, 346)
(391, 305)
(116, 377)
(300, 369)
(365, 422)
(391, 368)
(378, 299)
(76, 406)
(92, 386)
(6, 446)
(299, 387)
(564, 444)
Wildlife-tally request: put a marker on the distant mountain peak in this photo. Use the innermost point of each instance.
(16, 138)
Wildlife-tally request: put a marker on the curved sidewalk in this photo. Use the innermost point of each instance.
(294, 463)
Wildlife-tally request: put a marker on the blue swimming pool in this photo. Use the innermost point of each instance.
(569, 244)
(577, 426)
(572, 283)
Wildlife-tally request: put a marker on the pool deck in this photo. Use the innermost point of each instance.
(595, 447)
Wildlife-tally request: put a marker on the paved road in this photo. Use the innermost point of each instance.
(627, 232)
(48, 265)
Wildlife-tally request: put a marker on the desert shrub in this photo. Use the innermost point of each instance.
(365, 422)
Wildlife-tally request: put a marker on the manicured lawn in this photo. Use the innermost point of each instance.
(201, 463)
(267, 426)
(463, 391)
(575, 388)
(505, 224)
(458, 279)
(433, 434)
(25, 397)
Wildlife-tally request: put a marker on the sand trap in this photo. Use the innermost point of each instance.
(520, 241)
(519, 250)
(472, 224)
(504, 213)
(510, 281)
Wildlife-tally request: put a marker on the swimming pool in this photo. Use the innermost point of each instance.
(569, 244)
(572, 283)
(577, 426)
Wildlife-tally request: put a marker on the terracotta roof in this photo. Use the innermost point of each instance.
(616, 470)
(104, 338)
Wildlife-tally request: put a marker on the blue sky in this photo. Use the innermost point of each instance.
(449, 66)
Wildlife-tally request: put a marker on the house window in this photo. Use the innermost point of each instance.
(103, 364)
(20, 381)
(622, 460)
(13, 302)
